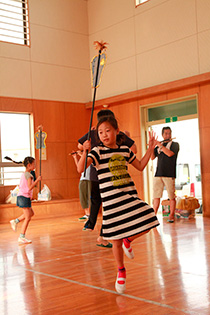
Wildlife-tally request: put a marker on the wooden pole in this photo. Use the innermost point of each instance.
(40, 157)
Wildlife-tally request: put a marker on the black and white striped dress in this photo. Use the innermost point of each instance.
(124, 213)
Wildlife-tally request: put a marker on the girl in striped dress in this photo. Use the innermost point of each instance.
(125, 215)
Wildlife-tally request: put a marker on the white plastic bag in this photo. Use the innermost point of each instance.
(12, 198)
(45, 194)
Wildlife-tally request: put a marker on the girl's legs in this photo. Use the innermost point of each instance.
(15, 222)
(119, 257)
(127, 244)
(27, 214)
(118, 252)
(132, 238)
(21, 218)
(26, 218)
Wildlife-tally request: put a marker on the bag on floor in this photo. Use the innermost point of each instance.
(187, 203)
(45, 194)
(12, 198)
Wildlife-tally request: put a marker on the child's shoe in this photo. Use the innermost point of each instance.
(23, 240)
(13, 225)
(87, 229)
(128, 249)
(120, 282)
(85, 217)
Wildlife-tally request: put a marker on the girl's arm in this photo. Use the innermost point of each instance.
(80, 146)
(134, 148)
(140, 165)
(81, 162)
(153, 155)
(31, 184)
(75, 157)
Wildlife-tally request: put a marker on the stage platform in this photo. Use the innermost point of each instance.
(42, 209)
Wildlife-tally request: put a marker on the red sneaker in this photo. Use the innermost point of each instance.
(120, 282)
(128, 249)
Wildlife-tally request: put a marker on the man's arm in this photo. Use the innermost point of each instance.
(165, 150)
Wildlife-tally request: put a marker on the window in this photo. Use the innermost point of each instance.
(178, 109)
(14, 22)
(198, 172)
(140, 1)
(182, 175)
(15, 143)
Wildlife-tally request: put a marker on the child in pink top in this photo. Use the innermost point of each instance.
(24, 197)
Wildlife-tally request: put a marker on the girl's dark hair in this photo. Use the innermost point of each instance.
(28, 160)
(110, 119)
(113, 122)
(104, 112)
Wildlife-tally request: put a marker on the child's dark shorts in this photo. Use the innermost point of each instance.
(23, 202)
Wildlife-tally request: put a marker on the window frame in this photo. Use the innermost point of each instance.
(10, 39)
(11, 164)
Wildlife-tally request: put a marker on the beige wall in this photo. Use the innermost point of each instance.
(56, 66)
(157, 42)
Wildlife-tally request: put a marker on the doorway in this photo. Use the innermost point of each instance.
(185, 131)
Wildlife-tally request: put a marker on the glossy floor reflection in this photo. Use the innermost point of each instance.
(64, 272)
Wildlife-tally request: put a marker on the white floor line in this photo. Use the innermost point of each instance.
(111, 291)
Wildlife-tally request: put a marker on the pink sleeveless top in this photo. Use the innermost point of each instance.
(23, 187)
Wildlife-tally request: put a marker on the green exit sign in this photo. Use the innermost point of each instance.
(171, 119)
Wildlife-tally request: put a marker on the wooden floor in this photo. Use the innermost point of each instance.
(64, 272)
